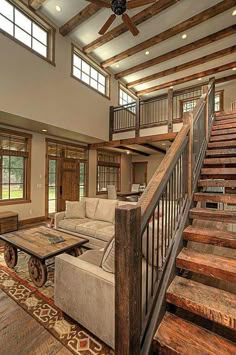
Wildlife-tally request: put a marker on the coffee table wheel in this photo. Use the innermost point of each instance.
(76, 252)
(10, 255)
(37, 271)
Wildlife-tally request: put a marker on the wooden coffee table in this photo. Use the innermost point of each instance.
(35, 242)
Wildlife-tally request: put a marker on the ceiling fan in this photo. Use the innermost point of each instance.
(119, 8)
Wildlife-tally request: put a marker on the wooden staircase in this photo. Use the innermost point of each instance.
(201, 307)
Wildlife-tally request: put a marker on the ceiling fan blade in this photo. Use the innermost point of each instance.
(137, 3)
(107, 24)
(129, 23)
(101, 3)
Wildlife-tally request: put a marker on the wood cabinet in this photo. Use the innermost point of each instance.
(8, 222)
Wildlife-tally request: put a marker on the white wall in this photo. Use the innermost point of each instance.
(32, 88)
(153, 163)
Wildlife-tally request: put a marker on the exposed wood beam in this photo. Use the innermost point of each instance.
(191, 64)
(133, 150)
(188, 78)
(138, 140)
(179, 51)
(139, 18)
(36, 4)
(183, 26)
(153, 147)
(225, 78)
(78, 19)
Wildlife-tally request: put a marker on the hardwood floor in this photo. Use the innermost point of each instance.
(20, 334)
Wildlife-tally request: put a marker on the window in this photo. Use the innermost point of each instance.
(108, 171)
(127, 99)
(16, 21)
(67, 174)
(14, 166)
(189, 103)
(89, 74)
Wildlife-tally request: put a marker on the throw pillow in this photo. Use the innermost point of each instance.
(91, 206)
(106, 210)
(75, 209)
(108, 259)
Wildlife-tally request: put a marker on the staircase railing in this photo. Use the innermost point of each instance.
(149, 236)
(160, 110)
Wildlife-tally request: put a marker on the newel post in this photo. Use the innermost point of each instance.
(188, 119)
(137, 119)
(170, 110)
(128, 278)
(111, 122)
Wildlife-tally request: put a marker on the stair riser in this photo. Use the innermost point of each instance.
(211, 314)
(215, 183)
(204, 239)
(199, 268)
(225, 125)
(221, 152)
(227, 144)
(218, 171)
(223, 132)
(223, 138)
(221, 198)
(214, 161)
(210, 217)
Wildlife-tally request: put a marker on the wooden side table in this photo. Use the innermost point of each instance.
(8, 222)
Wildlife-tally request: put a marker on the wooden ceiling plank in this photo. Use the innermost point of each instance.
(191, 64)
(129, 141)
(36, 4)
(153, 147)
(122, 147)
(208, 72)
(183, 26)
(179, 51)
(137, 19)
(78, 19)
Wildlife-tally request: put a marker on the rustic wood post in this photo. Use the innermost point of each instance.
(170, 110)
(128, 278)
(111, 123)
(137, 120)
(205, 91)
(188, 119)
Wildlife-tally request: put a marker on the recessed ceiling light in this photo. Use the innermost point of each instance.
(171, 87)
(234, 13)
(58, 8)
(184, 36)
(128, 152)
(199, 79)
(234, 68)
(44, 130)
(163, 144)
(147, 52)
(117, 65)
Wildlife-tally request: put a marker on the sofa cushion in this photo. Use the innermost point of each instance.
(106, 233)
(92, 256)
(91, 227)
(71, 224)
(106, 210)
(108, 260)
(91, 206)
(75, 209)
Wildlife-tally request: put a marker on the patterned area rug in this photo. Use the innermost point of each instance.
(17, 284)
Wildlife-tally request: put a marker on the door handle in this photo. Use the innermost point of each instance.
(60, 190)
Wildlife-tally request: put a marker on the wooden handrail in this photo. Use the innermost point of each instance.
(159, 179)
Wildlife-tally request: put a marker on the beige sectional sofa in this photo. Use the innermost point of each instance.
(93, 220)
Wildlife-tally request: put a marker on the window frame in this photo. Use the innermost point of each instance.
(75, 50)
(39, 21)
(110, 165)
(26, 170)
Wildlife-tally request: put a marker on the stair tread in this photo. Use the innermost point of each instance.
(216, 183)
(215, 161)
(219, 267)
(222, 138)
(215, 197)
(186, 338)
(218, 171)
(225, 124)
(211, 214)
(226, 144)
(209, 302)
(221, 152)
(223, 131)
(210, 236)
